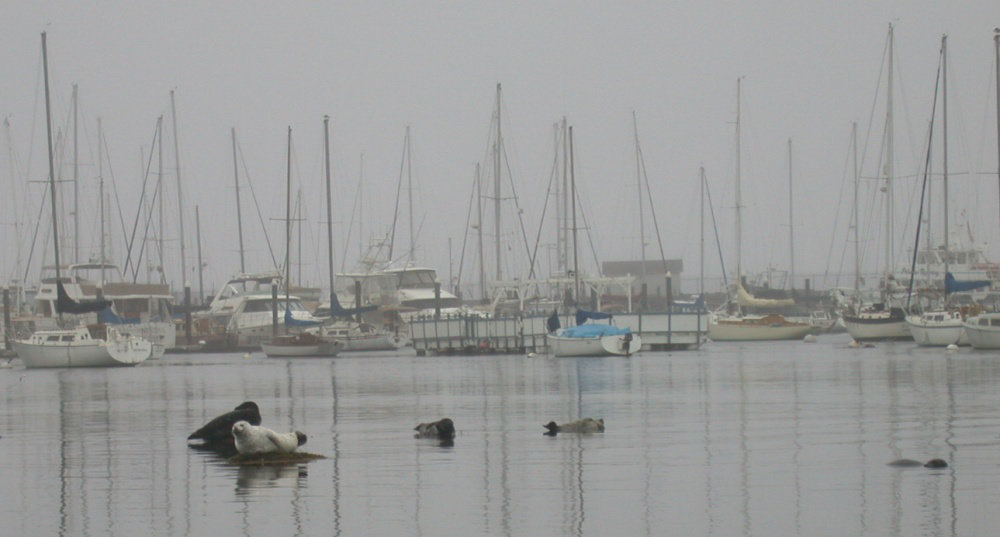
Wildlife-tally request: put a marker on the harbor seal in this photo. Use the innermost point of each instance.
(585, 425)
(252, 439)
(218, 432)
(910, 463)
(443, 429)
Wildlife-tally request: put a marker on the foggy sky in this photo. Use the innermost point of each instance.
(810, 68)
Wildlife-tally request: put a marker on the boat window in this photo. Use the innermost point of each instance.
(995, 322)
(984, 322)
(52, 338)
(67, 338)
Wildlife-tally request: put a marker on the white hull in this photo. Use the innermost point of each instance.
(615, 345)
(753, 329)
(862, 331)
(75, 348)
(984, 331)
(292, 348)
(936, 333)
(377, 342)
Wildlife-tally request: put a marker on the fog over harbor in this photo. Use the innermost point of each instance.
(257, 68)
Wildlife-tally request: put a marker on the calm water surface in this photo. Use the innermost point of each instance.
(735, 439)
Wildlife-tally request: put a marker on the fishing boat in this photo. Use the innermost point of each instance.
(983, 330)
(77, 347)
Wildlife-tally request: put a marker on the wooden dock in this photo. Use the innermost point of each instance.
(473, 333)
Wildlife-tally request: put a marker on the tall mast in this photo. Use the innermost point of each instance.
(497, 150)
(701, 244)
(854, 223)
(563, 246)
(76, 178)
(791, 223)
(329, 205)
(288, 224)
(52, 176)
(180, 197)
(100, 189)
(159, 200)
(479, 231)
(409, 194)
(638, 180)
(890, 157)
(239, 212)
(996, 53)
(944, 134)
(572, 183)
(739, 201)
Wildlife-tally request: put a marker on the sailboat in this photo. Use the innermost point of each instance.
(943, 326)
(983, 330)
(82, 346)
(338, 325)
(882, 320)
(587, 339)
(309, 342)
(735, 325)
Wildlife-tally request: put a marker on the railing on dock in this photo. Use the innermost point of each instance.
(471, 333)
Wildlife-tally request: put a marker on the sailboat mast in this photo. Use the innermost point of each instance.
(944, 134)
(479, 232)
(739, 201)
(239, 212)
(572, 183)
(996, 53)
(52, 176)
(638, 180)
(496, 185)
(409, 194)
(180, 197)
(854, 223)
(76, 177)
(890, 158)
(701, 243)
(100, 189)
(563, 201)
(791, 223)
(159, 200)
(288, 224)
(329, 205)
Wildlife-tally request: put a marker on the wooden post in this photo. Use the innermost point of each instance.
(6, 319)
(187, 313)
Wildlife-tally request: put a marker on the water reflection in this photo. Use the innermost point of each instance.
(730, 440)
(250, 478)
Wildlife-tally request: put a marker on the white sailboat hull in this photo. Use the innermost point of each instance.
(984, 331)
(940, 333)
(73, 348)
(613, 345)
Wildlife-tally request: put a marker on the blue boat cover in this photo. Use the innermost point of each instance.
(108, 316)
(583, 315)
(292, 321)
(594, 330)
(951, 285)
